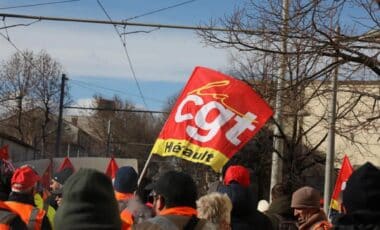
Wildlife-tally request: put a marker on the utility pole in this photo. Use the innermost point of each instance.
(276, 173)
(108, 137)
(330, 154)
(59, 128)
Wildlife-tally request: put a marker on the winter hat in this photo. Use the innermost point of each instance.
(177, 188)
(125, 180)
(306, 197)
(24, 178)
(237, 173)
(88, 203)
(62, 176)
(362, 190)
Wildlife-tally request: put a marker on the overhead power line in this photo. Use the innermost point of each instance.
(126, 23)
(37, 4)
(161, 9)
(115, 110)
(126, 54)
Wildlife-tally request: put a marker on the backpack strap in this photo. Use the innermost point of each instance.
(191, 223)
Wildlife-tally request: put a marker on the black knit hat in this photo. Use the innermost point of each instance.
(177, 188)
(88, 203)
(362, 190)
(125, 180)
(62, 176)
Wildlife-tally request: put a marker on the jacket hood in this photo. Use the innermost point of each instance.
(88, 203)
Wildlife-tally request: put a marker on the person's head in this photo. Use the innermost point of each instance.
(238, 174)
(88, 203)
(174, 189)
(216, 208)
(262, 206)
(362, 190)
(24, 180)
(279, 190)
(59, 179)
(305, 202)
(125, 180)
(5, 181)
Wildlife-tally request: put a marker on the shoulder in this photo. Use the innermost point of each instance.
(156, 223)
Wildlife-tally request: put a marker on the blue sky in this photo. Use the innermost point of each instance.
(92, 53)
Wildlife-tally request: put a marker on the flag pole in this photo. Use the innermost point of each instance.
(144, 169)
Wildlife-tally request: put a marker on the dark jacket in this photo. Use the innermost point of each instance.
(359, 220)
(244, 214)
(279, 211)
(29, 199)
(172, 222)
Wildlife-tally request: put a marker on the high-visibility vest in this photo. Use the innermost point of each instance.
(44, 205)
(6, 216)
(126, 219)
(5, 219)
(31, 215)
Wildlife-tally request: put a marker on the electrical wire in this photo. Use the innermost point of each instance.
(161, 9)
(126, 53)
(85, 85)
(38, 4)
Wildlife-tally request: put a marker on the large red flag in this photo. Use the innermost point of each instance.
(112, 168)
(4, 152)
(344, 174)
(214, 117)
(66, 164)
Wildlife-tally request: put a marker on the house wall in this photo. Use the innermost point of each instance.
(17, 152)
(360, 146)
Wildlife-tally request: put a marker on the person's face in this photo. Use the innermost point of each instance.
(54, 185)
(58, 199)
(158, 203)
(303, 214)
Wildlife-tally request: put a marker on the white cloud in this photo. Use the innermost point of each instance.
(83, 102)
(95, 50)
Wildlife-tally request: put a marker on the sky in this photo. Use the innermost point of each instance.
(93, 57)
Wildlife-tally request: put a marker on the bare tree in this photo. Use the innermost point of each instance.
(315, 49)
(17, 80)
(34, 81)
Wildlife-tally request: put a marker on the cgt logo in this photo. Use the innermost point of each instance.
(225, 114)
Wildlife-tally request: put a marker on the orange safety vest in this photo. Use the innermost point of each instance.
(5, 217)
(31, 215)
(126, 219)
(125, 215)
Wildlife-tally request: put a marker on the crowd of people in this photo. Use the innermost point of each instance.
(89, 199)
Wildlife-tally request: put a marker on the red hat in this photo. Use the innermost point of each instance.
(24, 178)
(239, 174)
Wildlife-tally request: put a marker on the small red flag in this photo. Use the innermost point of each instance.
(112, 168)
(344, 174)
(4, 152)
(66, 164)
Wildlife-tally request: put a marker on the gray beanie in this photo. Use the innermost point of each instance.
(88, 203)
(306, 197)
